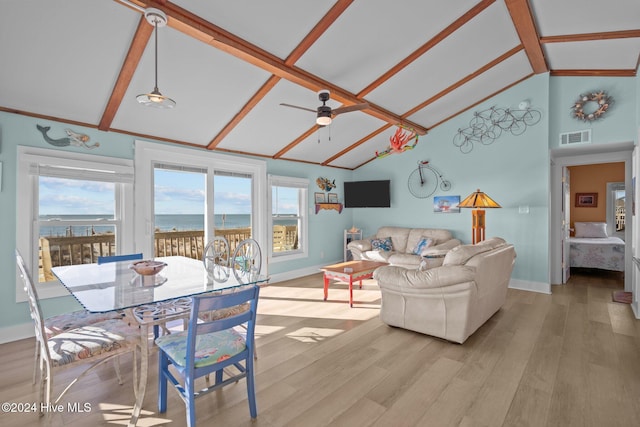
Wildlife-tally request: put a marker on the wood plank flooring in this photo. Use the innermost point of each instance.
(567, 359)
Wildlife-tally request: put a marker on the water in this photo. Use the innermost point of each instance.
(162, 223)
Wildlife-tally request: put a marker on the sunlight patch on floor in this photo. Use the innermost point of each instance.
(313, 335)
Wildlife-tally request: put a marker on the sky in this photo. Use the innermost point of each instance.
(176, 192)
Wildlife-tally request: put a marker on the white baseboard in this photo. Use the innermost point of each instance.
(294, 274)
(16, 332)
(525, 285)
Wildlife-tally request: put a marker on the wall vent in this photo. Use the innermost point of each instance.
(578, 137)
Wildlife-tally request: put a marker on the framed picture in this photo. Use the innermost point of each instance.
(586, 200)
(319, 197)
(333, 197)
(446, 204)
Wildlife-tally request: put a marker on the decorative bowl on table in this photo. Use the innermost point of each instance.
(147, 267)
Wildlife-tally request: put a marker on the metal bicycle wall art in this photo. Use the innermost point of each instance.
(424, 181)
(488, 125)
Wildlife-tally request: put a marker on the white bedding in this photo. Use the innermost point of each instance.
(606, 253)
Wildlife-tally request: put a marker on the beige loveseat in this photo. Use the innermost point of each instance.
(451, 301)
(404, 241)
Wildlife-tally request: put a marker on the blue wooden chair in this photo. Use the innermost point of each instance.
(207, 347)
(114, 258)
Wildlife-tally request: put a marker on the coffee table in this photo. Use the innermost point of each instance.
(349, 272)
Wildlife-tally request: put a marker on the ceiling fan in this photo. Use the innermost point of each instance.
(325, 114)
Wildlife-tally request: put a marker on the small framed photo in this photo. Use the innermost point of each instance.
(319, 197)
(333, 197)
(446, 204)
(587, 200)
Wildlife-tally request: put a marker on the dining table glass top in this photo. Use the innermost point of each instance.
(116, 286)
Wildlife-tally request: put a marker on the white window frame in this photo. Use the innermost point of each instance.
(34, 162)
(303, 242)
(148, 155)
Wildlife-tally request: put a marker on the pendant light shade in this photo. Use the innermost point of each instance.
(155, 99)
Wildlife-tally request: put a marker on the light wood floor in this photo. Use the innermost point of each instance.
(567, 359)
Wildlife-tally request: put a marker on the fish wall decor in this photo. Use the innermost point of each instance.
(73, 138)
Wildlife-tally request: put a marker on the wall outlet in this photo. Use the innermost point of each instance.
(523, 209)
(321, 254)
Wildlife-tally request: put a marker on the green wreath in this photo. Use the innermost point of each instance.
(602, 103)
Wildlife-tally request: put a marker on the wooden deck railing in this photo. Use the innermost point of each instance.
(62, 250)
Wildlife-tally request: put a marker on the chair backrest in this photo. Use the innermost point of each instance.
(34, 305)
(216, 253)
(114, 258)
(208, 302)
(247, 257)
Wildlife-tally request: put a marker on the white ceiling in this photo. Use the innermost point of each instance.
(416, 62)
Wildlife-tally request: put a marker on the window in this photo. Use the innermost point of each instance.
(199, 193)
(288, 226)
(71, 210)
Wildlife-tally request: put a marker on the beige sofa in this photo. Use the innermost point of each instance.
(404, 241)
(451, 301)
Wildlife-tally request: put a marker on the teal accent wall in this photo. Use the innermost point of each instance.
(513, 170)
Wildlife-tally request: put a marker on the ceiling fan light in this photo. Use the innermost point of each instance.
(323, 120)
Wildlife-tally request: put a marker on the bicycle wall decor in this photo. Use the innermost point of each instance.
(487, 125)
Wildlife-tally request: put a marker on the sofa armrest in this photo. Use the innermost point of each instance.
(357, 247)
(401, 279)
(444, 246)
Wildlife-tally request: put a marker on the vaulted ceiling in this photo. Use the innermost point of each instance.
(230, 64)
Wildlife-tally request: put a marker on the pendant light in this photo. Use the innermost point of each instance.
(155, 99)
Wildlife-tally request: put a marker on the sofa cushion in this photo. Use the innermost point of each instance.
(404, 260)
(382, 244)
(463, 253)
(379, 256)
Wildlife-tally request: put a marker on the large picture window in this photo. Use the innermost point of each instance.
(71, 210)
(288, 200)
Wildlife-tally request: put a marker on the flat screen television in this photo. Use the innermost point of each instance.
(367, 194)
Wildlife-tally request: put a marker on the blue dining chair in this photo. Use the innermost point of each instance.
(207, 347)
(114, 258)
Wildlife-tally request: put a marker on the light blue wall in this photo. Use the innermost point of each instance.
(618, 124)
(325, 228)
(514, 171)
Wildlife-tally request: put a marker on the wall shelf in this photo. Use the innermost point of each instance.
(329, 206)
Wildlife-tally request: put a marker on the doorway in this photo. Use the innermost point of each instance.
(563, 158)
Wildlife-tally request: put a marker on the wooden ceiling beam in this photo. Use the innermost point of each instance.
(523, 20)
(200, 29)
(591, 36)
(464, 80)
(131, 61)
(356, 144)
(306, 43)
(597, 73)
(456, 25)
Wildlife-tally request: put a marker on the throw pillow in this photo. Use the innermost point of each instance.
(423, 244)
(591, 229)
(383, 244)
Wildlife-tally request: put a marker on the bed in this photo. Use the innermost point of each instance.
(593, 248)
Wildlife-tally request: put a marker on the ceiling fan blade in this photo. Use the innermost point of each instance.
(349, 108)
(300, 108)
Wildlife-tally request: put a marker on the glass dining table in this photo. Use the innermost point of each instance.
(151, 300)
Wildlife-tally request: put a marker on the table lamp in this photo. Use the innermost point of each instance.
(478, 201)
